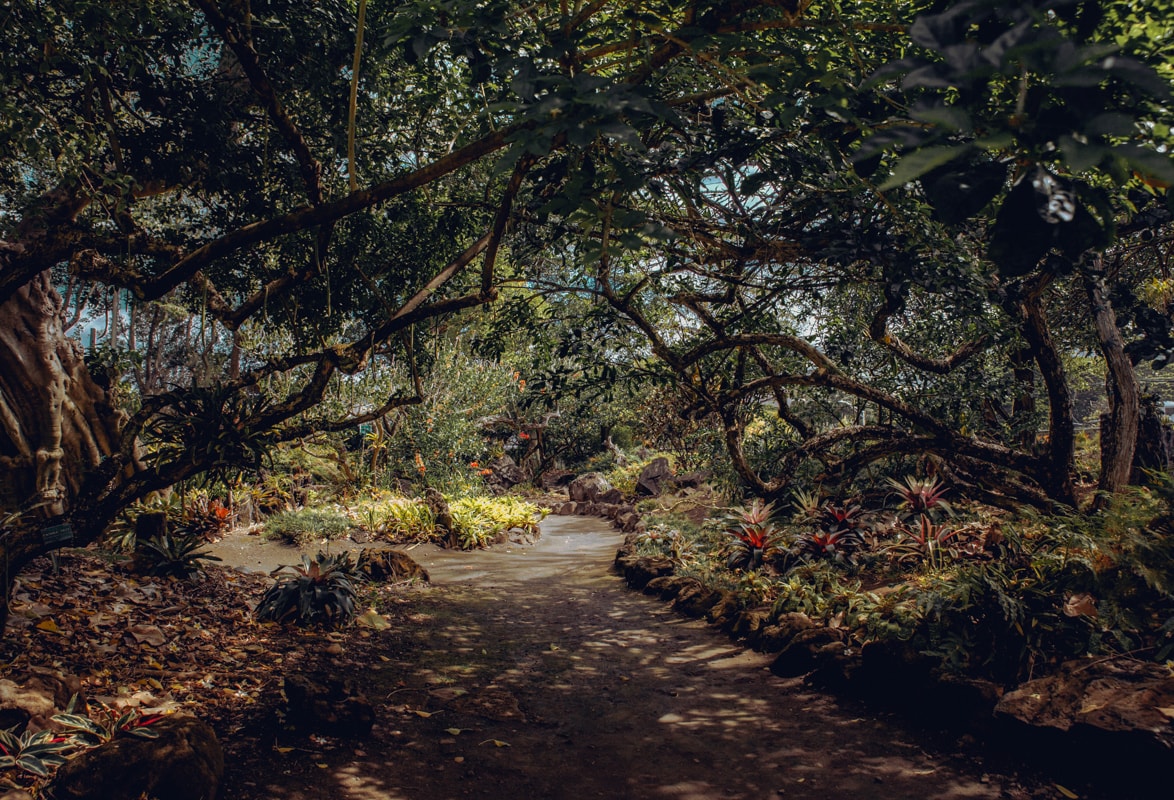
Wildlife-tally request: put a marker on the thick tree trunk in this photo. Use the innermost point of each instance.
(1119, 426)
(56, 426)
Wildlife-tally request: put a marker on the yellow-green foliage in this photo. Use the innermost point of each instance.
(395, 516)
(478, 519)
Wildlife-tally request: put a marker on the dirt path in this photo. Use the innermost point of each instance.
(536, 674)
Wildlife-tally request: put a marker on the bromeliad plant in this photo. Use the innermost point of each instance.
(928, 541)
(754, 534)
(838, 535)
(921, 496)
(177, 555)
(319, 592)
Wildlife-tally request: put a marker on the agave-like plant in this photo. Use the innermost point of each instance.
(754, 533)
(179, 555)
(320, 591)
(921, 495)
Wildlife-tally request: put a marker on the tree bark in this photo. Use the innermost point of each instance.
(56, 424)
(1119, 426)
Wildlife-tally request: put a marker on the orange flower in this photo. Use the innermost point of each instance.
(473, 465)
(420, 464)
(523, 435)
(485, 472)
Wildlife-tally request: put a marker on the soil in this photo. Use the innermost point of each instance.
(532, 672)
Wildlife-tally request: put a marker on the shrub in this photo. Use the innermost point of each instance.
(307, 525)
(320, 591)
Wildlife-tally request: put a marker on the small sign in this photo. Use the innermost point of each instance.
(57, 534)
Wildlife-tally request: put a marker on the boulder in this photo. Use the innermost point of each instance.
(588, 487)
(329, 705)
(523, 535)
(723, 612)
(376, 564)
(695, 599)
(749, 623)
(653, 477)
(1113, 696)
(1101, 719)
(186, 762)
(45, 692)
(691, 480)
(806, 651)
(505, 472)
(666, 587)
(441, 516)
(613, 496)
(555, 478)
(568, 509)
(638, 571)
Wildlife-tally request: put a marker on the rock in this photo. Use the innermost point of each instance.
(653, 477)
(1108, 695)
(523, 536)
(722, 612)
(505, 472)
(16, 794)
(805, 651)
(1106, 719)
(568, 509)
(638, 571)
(750, 623)
(329, 705)
(695, 600)
(613, 496)
(441, 516)
(895, 671)
(44, 693)
(666, 586)
(389, 565)
(691, 480)
(627, 522)
(588, 487)
(186, 762)
(554, 478)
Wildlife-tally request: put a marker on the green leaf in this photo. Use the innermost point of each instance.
(919, 162)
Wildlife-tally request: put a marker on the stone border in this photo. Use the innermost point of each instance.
(894, 676)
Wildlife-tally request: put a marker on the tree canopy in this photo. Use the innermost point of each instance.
(915, 211)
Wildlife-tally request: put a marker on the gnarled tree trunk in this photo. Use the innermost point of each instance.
(56, 426)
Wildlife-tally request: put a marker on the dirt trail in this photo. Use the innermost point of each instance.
(563, 684)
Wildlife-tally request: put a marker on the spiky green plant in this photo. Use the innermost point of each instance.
(320, 591)
(178, 555)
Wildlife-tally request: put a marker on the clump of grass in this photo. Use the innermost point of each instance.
(307, 525)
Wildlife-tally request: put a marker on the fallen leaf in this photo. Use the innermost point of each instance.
(1071, 795)
(48, 626)
(283, 750)
(453, 731)
(1168, 712)
(497, 743)
(322, 766)
(147, 634)
(373, 619)
(424, 714)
